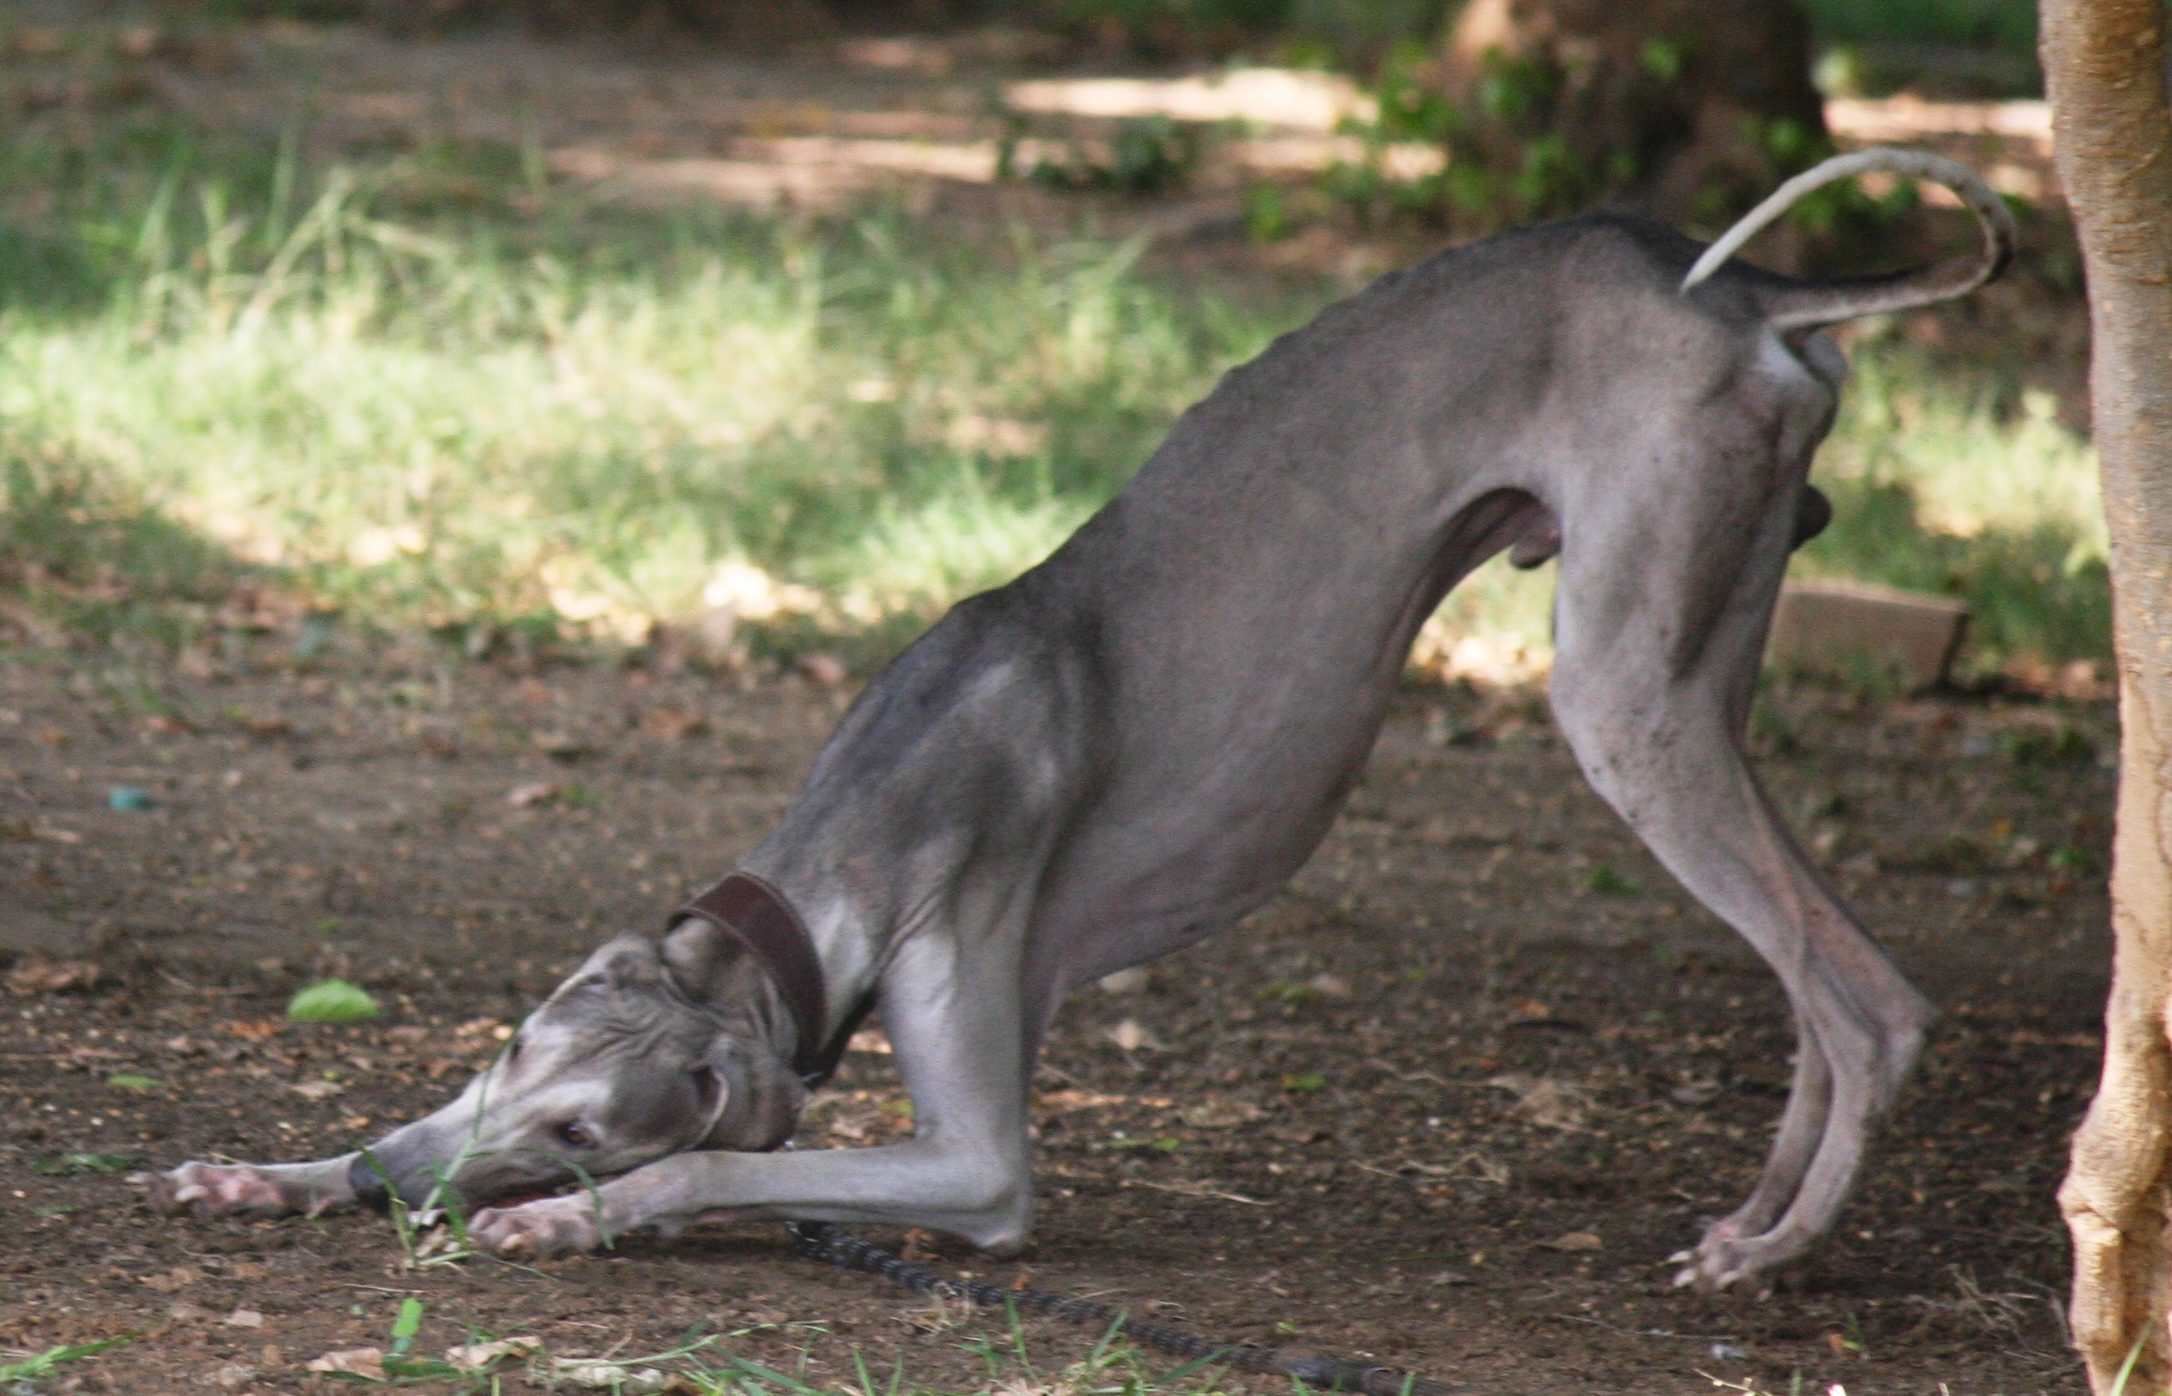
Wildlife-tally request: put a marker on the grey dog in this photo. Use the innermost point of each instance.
(1142, 738)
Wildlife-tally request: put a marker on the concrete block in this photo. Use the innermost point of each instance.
(1840, 628)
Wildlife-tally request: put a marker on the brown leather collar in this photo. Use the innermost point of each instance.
(747, 907)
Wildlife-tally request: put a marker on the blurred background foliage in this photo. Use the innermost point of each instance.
(431, 386)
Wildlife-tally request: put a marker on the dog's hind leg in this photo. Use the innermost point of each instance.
(1652, 685)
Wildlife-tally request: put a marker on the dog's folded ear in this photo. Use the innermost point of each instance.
(761, 1098)
(709, 964)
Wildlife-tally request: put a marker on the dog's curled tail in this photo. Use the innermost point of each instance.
(1806, 305)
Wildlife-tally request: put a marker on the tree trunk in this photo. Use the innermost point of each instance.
(2104, 68)
(1694, 106)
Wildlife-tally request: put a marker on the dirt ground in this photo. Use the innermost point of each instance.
(1451, 1100)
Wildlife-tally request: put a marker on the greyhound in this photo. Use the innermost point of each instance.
(1143, 737)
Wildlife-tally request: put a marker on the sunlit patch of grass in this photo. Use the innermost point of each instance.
(1967, 486)
(219, 368)
(441, 427)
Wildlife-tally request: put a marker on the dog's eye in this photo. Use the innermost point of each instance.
(573, 1134)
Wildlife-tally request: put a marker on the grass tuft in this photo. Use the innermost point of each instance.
(222, 376)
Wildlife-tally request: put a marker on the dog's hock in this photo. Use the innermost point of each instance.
(1808, 305)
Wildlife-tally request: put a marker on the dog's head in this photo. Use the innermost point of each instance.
(646, 1050)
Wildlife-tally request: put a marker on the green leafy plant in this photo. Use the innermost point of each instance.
(1146, 155)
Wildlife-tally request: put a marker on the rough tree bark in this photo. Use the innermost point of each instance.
(2104, 65)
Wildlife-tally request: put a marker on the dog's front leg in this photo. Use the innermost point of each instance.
(267, 1188)
(955, 1020)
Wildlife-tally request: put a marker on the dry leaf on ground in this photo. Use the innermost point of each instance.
(360, 1362)
(1133, 1036)
(39, 973)
(1574, 1241)
(1546, 1102)
(474, 1355)
(1221, 1114)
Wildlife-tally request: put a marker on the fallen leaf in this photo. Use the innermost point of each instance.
(332, 1001)
(1065, 1101)
(1545, 1102)
(560, 746)
(360, 1362)
(614, 1376)
(1574, 1241)
(316, 1090)
(1133, 1036)
(475, 1355)
(245, 1318)
(1693, 1092)
(673, 724)
(535, 792)
(1221, 1114)
(39, 973)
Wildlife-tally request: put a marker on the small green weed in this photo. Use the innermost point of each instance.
(72, 1164)
(30, 1369)
(1609, 883)
(2070, 860)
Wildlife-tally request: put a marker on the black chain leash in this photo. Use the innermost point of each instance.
(826, 1244)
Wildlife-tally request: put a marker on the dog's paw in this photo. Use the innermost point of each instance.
(218, 1188)
(553, 1226)
(1726, 1257)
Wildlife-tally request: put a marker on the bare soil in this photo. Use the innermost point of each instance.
(1451, 1100)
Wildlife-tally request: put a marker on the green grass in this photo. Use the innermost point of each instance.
(468, 422)
(382, 390)
(1959, 483)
